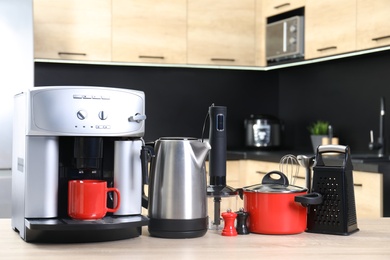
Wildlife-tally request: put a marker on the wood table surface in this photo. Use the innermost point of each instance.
(371, 242)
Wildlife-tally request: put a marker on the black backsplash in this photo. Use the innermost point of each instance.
(345, 92)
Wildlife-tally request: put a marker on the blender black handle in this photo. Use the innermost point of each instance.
(217, 138)
(283, 180)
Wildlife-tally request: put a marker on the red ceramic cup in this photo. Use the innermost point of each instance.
(87, 199)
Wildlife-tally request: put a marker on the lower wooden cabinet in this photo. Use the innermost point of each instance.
(368, 194)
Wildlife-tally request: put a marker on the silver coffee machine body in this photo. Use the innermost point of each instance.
(76, 132)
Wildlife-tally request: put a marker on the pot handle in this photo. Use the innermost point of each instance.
(306, 200)
(283, 180)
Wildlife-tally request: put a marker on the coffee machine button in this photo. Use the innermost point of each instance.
(81, 114)
(102, 115)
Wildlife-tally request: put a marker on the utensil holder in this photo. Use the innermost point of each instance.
(337, 214)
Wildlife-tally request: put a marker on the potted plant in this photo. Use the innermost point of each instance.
(318, 130)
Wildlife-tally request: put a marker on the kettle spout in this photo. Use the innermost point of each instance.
(200, 151)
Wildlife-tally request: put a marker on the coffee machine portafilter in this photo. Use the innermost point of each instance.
(64, 133)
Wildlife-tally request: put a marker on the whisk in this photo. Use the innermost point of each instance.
(289, 165)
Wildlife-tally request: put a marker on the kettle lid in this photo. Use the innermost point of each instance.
(177, 138)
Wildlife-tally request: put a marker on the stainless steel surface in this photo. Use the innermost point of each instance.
(285, 39)
(262, 131)
(307, 163)
(332, 148)
(177, 188)
(128, 176)
(85, 111)
(290, 167)
(48, 121)
(380, 145)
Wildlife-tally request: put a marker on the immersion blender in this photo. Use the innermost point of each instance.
(217, 187)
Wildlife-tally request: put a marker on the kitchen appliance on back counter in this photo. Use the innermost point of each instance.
(263, 132)
(64, 134)
(285, 40)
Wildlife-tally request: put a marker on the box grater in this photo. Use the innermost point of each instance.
(337, 214)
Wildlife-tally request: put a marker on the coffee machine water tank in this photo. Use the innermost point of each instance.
(63, 133)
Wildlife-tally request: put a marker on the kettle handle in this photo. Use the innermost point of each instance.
(147, 152)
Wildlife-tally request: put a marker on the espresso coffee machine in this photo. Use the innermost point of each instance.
(64, 133)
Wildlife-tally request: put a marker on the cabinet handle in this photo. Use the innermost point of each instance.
(327, 48)
(261, 172)
(380, 38)
(282, 5)
(72, 53)
(358, 185)
(222, 59)
(151, 57)
(299, 177)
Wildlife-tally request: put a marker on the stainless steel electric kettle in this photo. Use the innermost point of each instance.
(177, 188)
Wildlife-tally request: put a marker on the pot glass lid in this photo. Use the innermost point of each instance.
(274, 188)
(274, 182)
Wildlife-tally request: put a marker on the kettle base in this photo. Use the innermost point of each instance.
(177, 228)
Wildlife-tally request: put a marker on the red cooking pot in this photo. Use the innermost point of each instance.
(275, 207)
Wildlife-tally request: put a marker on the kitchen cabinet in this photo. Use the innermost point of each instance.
(149, 31)
(72, 29)
(368, 194)
(260, 32)
(372, 24)
(274, 7)
(330, 27)
(221, 32)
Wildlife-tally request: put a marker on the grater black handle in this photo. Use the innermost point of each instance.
(344, 149)
(333, 148)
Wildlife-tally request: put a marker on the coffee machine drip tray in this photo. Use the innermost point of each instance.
(68, 230)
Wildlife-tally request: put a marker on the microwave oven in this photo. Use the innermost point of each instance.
(284, 39)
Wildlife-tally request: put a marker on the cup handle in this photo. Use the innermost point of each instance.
(118, 196)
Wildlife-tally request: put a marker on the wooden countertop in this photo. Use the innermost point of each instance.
(371, 242)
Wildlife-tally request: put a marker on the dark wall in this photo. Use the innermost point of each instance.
(177, 99)
(345, 92)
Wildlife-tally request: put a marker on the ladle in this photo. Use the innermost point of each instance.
(307, 163)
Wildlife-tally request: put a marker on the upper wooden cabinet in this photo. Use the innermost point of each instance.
(149, 31)
(373, 20)
(72, 29)
(330, 27)
(221, 32)
(274, 7)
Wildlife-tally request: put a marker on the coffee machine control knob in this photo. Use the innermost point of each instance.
(102, 115)
(81, 114)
